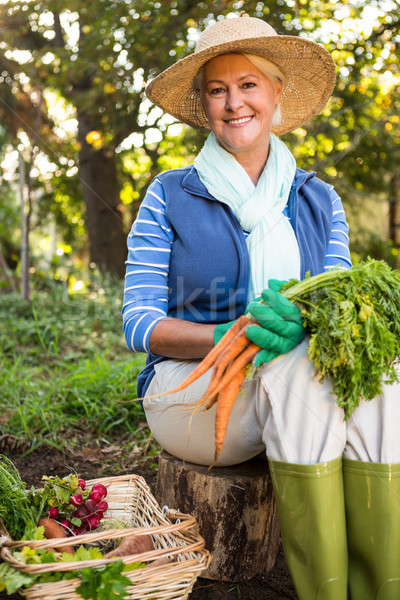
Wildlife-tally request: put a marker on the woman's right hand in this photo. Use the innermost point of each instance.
(279, 328)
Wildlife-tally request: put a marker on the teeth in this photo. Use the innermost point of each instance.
(243, 120)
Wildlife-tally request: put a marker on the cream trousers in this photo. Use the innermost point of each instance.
(282, 411)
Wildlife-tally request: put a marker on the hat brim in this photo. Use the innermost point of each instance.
(309, 69)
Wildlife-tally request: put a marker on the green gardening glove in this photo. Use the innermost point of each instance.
(281, 324)
(221, 330)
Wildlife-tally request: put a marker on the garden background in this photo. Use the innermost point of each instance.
(79, 144)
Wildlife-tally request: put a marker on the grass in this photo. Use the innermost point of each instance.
(65, 372)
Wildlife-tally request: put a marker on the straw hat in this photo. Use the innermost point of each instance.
(308, 67)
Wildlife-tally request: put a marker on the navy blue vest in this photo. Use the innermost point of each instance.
(209, 267)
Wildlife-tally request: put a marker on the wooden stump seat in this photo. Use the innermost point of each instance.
(235, 511)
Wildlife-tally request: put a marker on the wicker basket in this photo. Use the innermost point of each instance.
(174, 537)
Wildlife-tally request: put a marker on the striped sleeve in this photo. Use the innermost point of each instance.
(147, 268)
(338, 253)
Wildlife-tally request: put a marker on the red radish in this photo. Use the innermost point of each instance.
(76, 499)
(82, 483)
(81, 513)
(91, 506)
(65, 524)
(101, 488)
(96, 495)
(102, 506)
(100, 515)
(93, 522)
(53, 512)
(79, 530)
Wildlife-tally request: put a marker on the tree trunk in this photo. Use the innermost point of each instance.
(100, 191)
(235, 512)
(25, 250)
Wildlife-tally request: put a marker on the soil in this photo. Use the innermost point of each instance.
(276, 585)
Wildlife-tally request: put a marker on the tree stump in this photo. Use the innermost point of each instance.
(235, 511)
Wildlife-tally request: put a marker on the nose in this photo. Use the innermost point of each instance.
(234, 100)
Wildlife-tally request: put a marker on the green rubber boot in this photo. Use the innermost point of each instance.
(372, 494)
(311, 514)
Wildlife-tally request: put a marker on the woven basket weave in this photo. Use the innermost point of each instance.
(174, 537)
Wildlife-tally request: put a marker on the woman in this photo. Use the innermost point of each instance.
(212, 237)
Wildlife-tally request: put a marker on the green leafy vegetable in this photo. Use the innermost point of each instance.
(106, 583)
(15, 509)
(353, 318)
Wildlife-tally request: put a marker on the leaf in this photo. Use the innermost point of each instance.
(106, 583)
(12, 579)
(83, 553)
(32, 532)
(353, 318)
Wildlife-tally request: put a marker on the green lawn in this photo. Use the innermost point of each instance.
(65, 371)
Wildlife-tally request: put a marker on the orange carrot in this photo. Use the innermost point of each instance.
(211, 402)
(240, 362)
(226, 398)
(239, 342)
(232, 350)
(237, 345)
(222, 365)
(209, 359)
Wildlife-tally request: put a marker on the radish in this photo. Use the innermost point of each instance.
(101, 488)
(91, 506)
(93, 522)
(79, 530)
(82, 483)
(81, 513)
(65, 524)
(96, 496)
(76, 499)
(102, 506)
(53, 512)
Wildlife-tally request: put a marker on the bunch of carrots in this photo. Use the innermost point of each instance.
(229, 360)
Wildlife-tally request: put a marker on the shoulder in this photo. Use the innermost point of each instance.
(312, 187)
(173, 176)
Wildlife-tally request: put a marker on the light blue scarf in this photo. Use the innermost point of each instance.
(272, 245)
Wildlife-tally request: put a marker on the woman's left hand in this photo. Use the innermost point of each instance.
(281, 324)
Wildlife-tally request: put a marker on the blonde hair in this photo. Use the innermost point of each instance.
(267, 68)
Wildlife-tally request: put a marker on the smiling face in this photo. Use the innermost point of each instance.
(239, 102)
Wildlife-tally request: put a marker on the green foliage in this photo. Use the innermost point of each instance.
(367, 243)
(11, 579)
(94, 60)
(355, 142)
(15, 509)
(353, 318)
(104, 584)
(64, 367)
